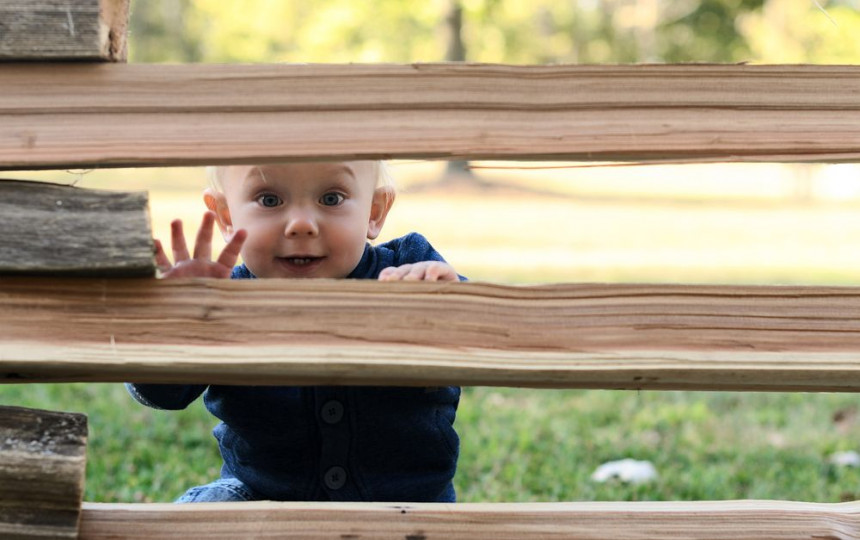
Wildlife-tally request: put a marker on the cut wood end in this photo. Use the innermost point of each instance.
(85, 30)
(42, 470)
(113, 29)
(53, 432)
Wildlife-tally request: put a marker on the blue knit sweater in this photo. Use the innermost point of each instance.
(322, 443)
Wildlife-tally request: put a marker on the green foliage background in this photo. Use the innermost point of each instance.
(509, 31)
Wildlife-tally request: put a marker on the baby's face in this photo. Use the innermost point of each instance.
(304, 220)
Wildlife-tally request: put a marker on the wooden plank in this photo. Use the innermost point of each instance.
(42, 464)
(55, 229)
(366, 332)
(64, 30)
(119, 115)
(717, 520)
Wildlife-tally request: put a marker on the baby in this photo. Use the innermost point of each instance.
(313, 220)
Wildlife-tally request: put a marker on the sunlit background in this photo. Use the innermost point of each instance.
(549, 222)
(553, 222)
(533, 222)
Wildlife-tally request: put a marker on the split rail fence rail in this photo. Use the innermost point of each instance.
(79, 301)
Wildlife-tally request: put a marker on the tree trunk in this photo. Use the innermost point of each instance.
(456, 52)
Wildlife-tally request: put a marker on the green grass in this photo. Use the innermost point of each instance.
(521, 444)
(543, 445)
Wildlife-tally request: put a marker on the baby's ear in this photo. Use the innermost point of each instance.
(383, 198)
(216, 202)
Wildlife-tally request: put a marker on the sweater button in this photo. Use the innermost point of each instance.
(332, 412)
(335, 478)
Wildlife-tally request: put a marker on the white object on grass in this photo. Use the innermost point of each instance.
(626, 470)
(845, 459)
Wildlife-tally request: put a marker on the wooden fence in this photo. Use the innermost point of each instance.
(108, 328)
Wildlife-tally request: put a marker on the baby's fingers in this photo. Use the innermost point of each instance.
(394, 273)
(433, 272)
(416, 272)
(177, 241)
(231, 251)
(441, 272)
(161, 260)
(203, 242)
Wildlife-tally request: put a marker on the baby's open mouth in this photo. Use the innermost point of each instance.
(301, 261)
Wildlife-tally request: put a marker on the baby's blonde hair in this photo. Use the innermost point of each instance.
(215, 176)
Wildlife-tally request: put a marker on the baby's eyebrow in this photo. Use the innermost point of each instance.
(347, 169)
(252, 176)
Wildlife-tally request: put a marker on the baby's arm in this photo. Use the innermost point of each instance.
(201, 265)
(421, 271)
(165, 396)
(178, 396)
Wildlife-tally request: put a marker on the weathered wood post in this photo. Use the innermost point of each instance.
(52, 229)
(94, 30)
(42, 464)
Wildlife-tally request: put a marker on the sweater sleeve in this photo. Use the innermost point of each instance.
(165, 396)
(414, 248)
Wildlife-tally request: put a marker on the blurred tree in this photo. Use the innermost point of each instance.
(510, 31)
(705, 31)
(250, 31)
(321, 31)
(799, 31)
(159, 31)
(548, 31)
(456, 52)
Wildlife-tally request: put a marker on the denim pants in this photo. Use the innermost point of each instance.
(221, 490)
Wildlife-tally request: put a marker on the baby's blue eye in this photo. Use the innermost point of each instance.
(331, 199)
(269, 201)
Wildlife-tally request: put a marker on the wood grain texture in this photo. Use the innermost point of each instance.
(723, 520)
(64, 30)
(53, 229)
(365, 332)
(42, 464)
(115, 115)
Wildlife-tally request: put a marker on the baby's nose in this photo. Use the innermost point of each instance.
(301, 224)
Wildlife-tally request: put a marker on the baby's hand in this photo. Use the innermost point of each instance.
(423, 271)
(201, 265)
